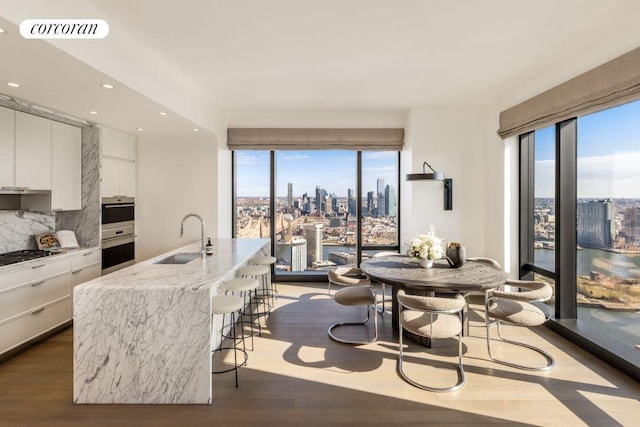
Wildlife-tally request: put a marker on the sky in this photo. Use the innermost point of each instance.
(335, 171)
(608, 155)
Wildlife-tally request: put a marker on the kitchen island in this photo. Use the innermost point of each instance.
(144, 334)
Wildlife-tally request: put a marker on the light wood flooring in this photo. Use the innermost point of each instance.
(297, 376)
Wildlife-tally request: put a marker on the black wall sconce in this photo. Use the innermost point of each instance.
(435, 176)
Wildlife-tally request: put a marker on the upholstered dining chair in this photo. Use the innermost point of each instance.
(346, 275)
(352, 296)
(382, 284)
(431, 317)
(524, 307)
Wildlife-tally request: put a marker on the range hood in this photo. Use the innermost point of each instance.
(22, 190)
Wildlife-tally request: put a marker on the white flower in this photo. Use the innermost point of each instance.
(426, 246)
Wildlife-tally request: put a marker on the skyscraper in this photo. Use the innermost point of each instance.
(370, 205)
(595, 228)
(351, 202)
(381, 198)
(313, 234)
(298, 254)
(289, 196)
(390, 200)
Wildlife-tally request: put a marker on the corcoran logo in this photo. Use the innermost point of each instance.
(64, 29)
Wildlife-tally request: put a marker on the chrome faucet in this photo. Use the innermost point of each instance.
(201, 230)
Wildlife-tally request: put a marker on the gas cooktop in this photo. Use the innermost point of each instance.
(20, 256)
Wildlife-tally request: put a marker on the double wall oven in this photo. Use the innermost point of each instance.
(118, 233)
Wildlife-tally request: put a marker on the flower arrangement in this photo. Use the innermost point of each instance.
(426, 246)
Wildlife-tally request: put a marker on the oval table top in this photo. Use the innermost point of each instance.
(401, 270)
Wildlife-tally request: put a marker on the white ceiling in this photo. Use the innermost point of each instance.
(198, 58)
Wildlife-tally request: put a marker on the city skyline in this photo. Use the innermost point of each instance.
(333, 170)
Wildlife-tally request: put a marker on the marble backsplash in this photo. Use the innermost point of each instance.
(17, 229)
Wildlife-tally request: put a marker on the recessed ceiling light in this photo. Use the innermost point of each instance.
(12, 84)
(139, 129)
(163, 113)
(93, 112)
(1, 30)
(107, 86)
(195, 130)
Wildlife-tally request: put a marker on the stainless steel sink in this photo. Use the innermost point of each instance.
(181, 258)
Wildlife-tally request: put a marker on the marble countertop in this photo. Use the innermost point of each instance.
(207, 271)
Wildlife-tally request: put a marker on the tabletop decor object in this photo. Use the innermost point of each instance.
(426, 248)
(456, 254)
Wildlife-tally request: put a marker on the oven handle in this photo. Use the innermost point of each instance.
(116, 241)
(128, 205)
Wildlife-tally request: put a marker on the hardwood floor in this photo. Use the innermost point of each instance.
(298, 376)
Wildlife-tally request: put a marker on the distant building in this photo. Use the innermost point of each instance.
(351, 202)
(289, 196)
(370, 203)
(595, 224)
(631, 220)
(381, 198)
(298, 254)
(313, 234)
(390, 200)
(342, 258)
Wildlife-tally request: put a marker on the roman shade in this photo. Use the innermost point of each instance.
(611, 84)
(315, 139)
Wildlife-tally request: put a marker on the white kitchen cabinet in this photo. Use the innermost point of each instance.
(110, 184)
(118, 144)
(118, 177)
(33, 151)
(66, 167)
(118, 163)
(7, 148)
(127, 178)
(34, 298)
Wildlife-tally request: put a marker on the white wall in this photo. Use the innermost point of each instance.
(176, 175)
(451, 140)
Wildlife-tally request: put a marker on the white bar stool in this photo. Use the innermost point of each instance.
(261, 273)
(243, 287)
(229, 304)
(268, 261)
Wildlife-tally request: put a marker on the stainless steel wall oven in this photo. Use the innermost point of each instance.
(118, 233)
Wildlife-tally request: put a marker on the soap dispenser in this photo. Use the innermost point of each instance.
(208, 249)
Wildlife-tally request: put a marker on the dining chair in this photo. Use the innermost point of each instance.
(524, 307)
(434, 318)
(352, 296)
(346, 275)
(382, 284)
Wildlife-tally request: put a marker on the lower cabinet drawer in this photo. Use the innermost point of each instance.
(30, 325)
(82, 275)
(34, 294)
(86, 258)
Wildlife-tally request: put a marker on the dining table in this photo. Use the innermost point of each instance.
(404, 272)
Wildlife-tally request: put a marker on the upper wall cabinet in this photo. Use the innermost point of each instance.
(7, 148)
(33, 151)
(118, 144)
(118, 164)
(66, 165)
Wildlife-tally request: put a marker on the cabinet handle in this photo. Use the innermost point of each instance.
(56, 210)
(77, 271)
(38, 283)
(38, 266)
(87, 254)
(38, 310)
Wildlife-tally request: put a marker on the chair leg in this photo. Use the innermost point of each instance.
(550, 361)
(363, 322)
(459, 367)
(381, 310)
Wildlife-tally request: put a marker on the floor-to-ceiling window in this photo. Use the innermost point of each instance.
(600, 166)
(252, 204)
(321, 208)
(608, 222)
